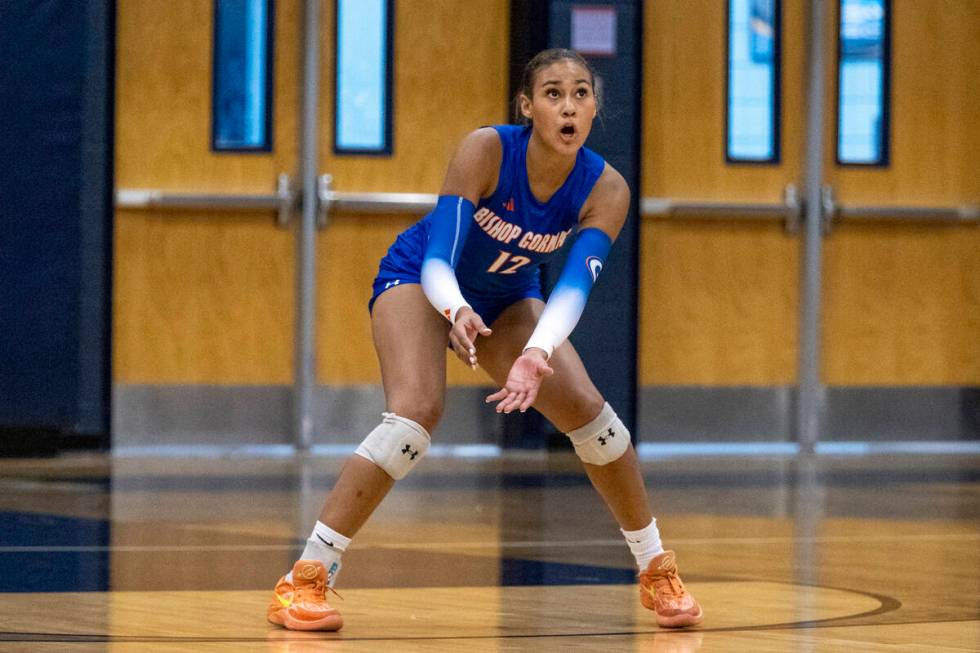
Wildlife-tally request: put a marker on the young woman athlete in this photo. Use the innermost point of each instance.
(511, 198)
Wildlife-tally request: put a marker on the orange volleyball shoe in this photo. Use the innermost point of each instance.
(302, 603)
(662, 591)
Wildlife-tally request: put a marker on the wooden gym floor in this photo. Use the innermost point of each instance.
(869, 553)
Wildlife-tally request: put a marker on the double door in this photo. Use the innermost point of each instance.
(205, 298)
(897, 312)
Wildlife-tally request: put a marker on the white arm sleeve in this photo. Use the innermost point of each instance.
(567, 300)
(441, 288)
(561, 314)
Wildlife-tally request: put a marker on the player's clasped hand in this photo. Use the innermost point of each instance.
(462, 336)
(523, 382)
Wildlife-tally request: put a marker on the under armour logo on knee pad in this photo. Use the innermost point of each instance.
(411, 453)
(609, 434)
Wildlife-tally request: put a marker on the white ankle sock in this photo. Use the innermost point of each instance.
(644, 543)
(325, 545)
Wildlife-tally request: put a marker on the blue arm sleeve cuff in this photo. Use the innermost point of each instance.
(449, 226)
(585, 261)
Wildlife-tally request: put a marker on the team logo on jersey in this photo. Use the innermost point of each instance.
(595, 267)
(509, 204)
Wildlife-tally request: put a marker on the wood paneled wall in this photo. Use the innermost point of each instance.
(163, 101)
(210, 298)
(718, 304)
(935, 111)
(198, 298)
(451, 78)
(684, 106)
(719, 301)
(902, 306)
(202, 299)
(902, 302)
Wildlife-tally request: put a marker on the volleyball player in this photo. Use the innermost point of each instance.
(468, 274)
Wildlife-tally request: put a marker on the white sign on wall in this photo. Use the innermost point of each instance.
(594, 30)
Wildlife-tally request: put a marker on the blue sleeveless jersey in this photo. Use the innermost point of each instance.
(513, 234)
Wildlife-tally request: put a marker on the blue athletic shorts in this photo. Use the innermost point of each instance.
(403, 264)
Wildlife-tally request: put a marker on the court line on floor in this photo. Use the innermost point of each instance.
(645, 450)
(291, 636)
(543, 544)
(690, 541)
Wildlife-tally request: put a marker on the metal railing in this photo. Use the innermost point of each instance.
(286, 200)
(318, 205)
(965, 213)
(371, 203)
(789, 210)
(283, 201)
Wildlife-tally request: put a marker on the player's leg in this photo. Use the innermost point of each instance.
(570, 401)
(410, 339)
(413, 369)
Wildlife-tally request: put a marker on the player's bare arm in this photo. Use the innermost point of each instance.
(608, 204)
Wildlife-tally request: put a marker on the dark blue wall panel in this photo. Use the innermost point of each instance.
(606, 336)
(55, 215)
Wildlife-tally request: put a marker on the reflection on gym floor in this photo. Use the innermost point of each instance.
(869, 553)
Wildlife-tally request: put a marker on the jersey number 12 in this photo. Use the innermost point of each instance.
(514, 262)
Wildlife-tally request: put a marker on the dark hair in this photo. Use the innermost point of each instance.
(544, 59)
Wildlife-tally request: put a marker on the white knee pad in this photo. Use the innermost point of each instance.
(602, 440)
(395, 445)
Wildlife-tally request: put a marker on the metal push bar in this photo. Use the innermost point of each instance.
(283, 201)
